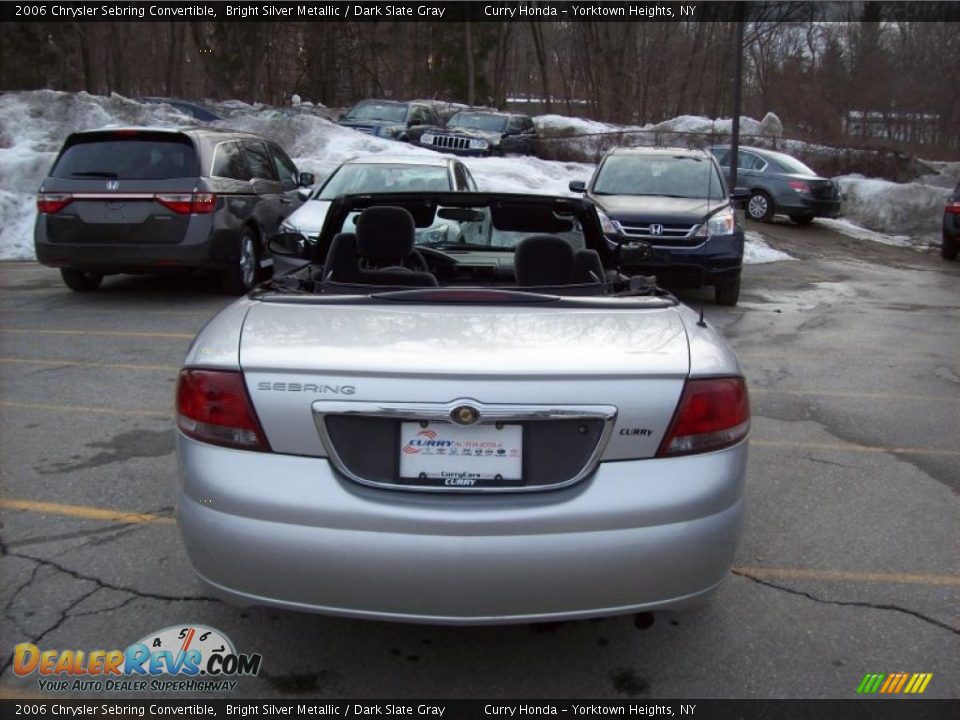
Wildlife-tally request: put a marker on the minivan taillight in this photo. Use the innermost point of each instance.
(213, 406)
(188, 203)
(53, 202)
(713, 413)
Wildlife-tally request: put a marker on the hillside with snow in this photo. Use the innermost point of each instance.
(34, 124)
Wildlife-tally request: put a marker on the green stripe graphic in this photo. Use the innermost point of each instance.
(871, 683)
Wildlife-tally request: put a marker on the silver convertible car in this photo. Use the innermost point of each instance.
(505, 427)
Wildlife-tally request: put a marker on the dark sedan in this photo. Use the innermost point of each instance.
(780, 185)
(476, 132)
(951, 226)
(404, 121)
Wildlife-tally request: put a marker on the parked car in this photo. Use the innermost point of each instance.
(405, 121)
(781, 184)
(951, 226)
(377, 174)
(487, 433)
(195, 110)
(481, 132)
(134, 200)
(677, 200)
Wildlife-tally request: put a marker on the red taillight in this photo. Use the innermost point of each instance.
(712, 414)
(188, 203)
(213, 406)
(953, 208)
(53, 202)
(799, 186)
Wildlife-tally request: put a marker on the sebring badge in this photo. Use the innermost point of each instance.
(465, 415)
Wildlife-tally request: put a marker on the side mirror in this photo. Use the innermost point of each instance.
(578, 186)
(304, 193)
(740, 195)
(291, 245)
(306, 179)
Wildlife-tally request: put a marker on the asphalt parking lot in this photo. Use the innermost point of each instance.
(850, 561)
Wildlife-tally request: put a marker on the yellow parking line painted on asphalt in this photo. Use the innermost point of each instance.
(85, 409)
(845, 576)
(840, 393)
(79, 363)
(84, 511)
(104, 333)
(852, 447)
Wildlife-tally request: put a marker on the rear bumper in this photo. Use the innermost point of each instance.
(287, 531)
(793, 203)
(202, 247)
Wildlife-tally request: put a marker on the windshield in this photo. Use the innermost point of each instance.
(791, 164)
(381, 177)
(659, 175)
(484, 228)
(478, 121)
(128, 159)
(377, 111)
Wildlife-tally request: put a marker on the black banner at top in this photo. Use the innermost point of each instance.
(640, 708)
(474, 10)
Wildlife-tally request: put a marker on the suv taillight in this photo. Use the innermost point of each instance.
(953, 208)
(53, 202)
(713, 413)
(188, 203)
(213, 406)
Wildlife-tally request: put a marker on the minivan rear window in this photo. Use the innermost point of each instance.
(134, 157)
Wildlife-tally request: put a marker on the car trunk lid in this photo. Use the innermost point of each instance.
(301, 361)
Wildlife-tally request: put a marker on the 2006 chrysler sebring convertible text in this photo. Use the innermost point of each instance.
(502, 428)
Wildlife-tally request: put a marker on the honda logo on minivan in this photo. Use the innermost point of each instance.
(113, 184)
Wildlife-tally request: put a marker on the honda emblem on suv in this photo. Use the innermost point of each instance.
(656, 229)
(113, 184)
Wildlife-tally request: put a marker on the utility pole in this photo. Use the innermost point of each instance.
(737, 88)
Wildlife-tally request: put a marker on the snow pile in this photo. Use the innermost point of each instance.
(756, 251)
(33, 125)
(845, 227)
(561, 125)
(890, 208)
(771, 125)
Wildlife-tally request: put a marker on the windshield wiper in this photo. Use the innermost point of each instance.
(94, 173)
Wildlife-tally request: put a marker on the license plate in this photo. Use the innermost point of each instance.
(460, 456)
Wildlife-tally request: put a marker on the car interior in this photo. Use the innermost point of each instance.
(382, 252)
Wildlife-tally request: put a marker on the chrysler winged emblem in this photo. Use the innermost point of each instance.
(113, 184)
(656, 229)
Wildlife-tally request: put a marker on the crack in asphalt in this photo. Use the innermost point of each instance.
(845, 603)
(99, 585)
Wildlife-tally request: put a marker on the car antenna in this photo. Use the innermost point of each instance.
(700, 321)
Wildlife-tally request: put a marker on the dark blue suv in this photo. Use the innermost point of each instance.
(677, 201)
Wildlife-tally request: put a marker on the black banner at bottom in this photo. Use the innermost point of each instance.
(859, 709)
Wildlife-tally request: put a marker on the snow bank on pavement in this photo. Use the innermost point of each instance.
(913, 209)
(845, 227)
(34, 124)
(756, 251)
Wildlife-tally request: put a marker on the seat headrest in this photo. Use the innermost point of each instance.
(543, 260)
(385, 235)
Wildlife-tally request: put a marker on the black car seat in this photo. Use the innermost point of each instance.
(550, 260)
(375, 254)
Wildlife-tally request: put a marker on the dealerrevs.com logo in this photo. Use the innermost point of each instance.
(181, 658)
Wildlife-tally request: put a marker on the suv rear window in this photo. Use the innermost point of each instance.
(137, 157)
